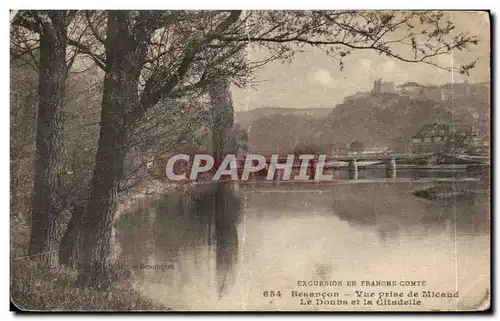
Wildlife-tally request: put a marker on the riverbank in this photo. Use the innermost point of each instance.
(35, 288)
(147, 189)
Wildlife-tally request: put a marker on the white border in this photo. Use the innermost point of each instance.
(218, 4)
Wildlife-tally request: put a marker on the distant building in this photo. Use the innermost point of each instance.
(411, 89)
(388, 87)
(444, 138)
(377, 86)
(381, 87)
(444, 92)
(465, 90)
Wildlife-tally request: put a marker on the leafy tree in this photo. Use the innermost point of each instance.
(356, 146)
(241, 138)
(52, 30)
(311, 149)
(457, 142)
(174, 54)
(23, 110)
(154, 56)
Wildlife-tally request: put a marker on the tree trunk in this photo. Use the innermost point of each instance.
(52, 77)
(119, 96)
(225, 229)
(71, 242)
(222, 118)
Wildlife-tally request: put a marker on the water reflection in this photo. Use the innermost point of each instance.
(165, 239)
(390, 208)
(226, 212)
(221, 248)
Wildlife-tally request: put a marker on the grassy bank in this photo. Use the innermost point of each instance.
(36, 289)
(33, 288)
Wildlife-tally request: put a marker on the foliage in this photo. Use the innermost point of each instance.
(185, 50)
(311, 149)
(23, 98)
(356, 146)
(158, 67)
(36, 289)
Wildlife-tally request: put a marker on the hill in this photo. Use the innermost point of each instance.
(387, 119)
(244, 118)
(391, 119)
(282, 133)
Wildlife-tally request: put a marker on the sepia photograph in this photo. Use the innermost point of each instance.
(250, 160)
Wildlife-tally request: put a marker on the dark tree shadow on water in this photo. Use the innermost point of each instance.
(222, 207)
(169, 228)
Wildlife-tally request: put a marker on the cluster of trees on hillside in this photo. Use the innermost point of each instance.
(388, 120)
(108, 87)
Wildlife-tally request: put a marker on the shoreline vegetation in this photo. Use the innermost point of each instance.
(35, 288)
(451, 190)
(442, 192)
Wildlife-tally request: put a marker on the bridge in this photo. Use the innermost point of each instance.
(390, 160)
(352, 159)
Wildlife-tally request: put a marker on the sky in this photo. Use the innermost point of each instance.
(314, 80)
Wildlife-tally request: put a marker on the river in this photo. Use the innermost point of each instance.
(186, 256)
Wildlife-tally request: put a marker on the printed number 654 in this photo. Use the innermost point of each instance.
(271, 294)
